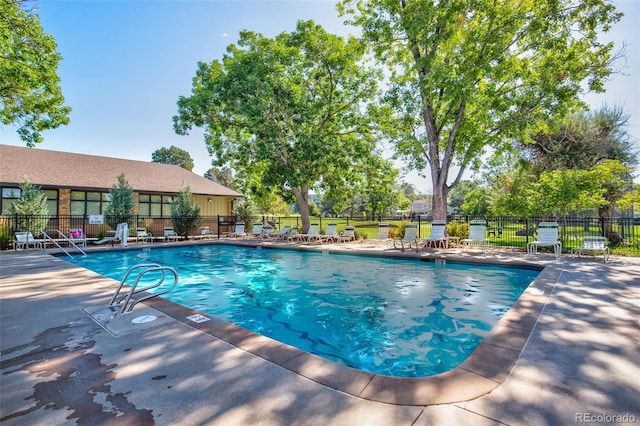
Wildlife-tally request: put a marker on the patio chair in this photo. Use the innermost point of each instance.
(257, 230)
(291, 235)
(77, 237)
(121, 233)
(281, 234)
(592, 244)
(205, 233)
(143, 235)
(25, 239)
(409, 238)
(267, 231)
(547, 236)
(331, 234)
(477, 235)
(170, 234)
(348, 235)
(238, 231)
(383, 233)
(436, 238)
(312, 234)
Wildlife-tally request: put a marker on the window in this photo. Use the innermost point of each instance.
(9, 195)
(52, 200)
(154, 205)
(88, 202)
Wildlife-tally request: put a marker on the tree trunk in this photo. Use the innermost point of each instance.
(439, 202)
(302, 197)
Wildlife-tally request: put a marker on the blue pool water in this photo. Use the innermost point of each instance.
(403, 318)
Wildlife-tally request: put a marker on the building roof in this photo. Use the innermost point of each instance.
(79, 171)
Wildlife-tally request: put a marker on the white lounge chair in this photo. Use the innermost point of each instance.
(121, 233)
(143, 235)
(437, 237)
(383, 233)
(477, 235)
(256, 231)
(281, 234)
(267, 231)
(592, 244)
(312, 234)
(291, 235)
(205, 233)
(349, 234)
(170, 234)
(238, 232)
(547, 236)
(25, 239)
(77, 237)
(331, 234)
(409, 238)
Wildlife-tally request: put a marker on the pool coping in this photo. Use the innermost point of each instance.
(483, 371)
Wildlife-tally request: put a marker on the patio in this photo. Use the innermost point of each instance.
(578, 359)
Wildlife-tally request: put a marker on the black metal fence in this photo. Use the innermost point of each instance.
(623, 233)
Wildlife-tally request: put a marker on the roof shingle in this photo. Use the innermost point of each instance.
(68, 170)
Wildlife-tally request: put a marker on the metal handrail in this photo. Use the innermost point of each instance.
(124, 300)
(63, 237)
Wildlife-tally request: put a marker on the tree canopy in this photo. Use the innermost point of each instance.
(469, 75)
(289, 111)
(30, 94)
(173, 155)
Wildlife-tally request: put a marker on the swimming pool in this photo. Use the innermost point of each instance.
(396, 317)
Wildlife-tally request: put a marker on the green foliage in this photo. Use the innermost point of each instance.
(458, 229)
(30, 95)
(223, 176)
(121, 204)
(467, 76)
(173, 155)
(245, 211)
(31, 208)
(286, 112)
(5, 239)
(185, 213)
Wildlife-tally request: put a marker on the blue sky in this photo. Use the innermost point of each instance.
(125, 63)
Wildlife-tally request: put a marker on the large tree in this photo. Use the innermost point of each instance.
(30, 95)
(290, 109)
(467, 75)
(173, 155)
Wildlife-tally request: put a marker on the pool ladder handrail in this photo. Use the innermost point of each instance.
(124, 300)
(62, 237)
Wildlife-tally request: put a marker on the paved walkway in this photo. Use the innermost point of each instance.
(580, 364)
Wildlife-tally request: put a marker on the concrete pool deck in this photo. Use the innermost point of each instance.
(568, 353)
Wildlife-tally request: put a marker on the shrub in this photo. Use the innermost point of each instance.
(457, 229)
(31, 208)
(185, 213)
(121, 204)
(245, 212)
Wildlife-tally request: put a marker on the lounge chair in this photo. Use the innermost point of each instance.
(291, 235)
(121, 233)
(477, 235)
(77, 237)
(436, 238)
(25, 239)
(383, 233)
(238, 232)
(312, 234)
(349, 234)
(592, 244)
(267, 231)
(143, 235)
(205, 233)
(331, 234)
(547, 236)
(409, 238)
(257, 230)
(281, 234)
(170, 234)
